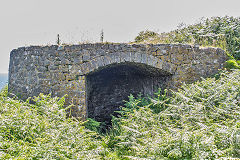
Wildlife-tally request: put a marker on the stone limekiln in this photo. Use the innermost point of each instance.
(98, 77)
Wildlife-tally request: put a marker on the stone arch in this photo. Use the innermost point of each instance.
(61, 70)
(131, 57)
(111, 79)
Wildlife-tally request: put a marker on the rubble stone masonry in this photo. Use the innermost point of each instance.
(98, 77)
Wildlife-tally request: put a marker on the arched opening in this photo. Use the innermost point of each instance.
(107, 87)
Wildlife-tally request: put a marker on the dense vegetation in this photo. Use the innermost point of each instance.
(223, 32)
(200, 121)
(42, 131)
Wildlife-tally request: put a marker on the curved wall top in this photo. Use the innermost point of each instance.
(61, 70)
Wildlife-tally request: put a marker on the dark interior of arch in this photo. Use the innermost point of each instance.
(109, 86)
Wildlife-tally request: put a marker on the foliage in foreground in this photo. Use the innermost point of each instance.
(200, 121)
(42, 131)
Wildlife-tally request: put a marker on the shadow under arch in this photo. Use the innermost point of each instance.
(108, 86)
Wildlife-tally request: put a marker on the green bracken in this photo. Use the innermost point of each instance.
(42, 131)
(200, 121)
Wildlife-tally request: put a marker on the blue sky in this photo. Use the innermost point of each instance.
(37, 22)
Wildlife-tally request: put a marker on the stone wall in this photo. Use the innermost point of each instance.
(89, 72)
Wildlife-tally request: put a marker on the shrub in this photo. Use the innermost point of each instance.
(42, 131)
(145, 35)
(222, 32)
(200, 121)
(232, 64)
(93, 125)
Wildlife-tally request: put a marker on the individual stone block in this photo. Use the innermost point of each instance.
(106, 60)
(85, 67)
(112, 58)
(144, 58)
(136, 57)
(124, 57)
(86, 56)
(100, 52)
(78, 60)
(117, 57)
